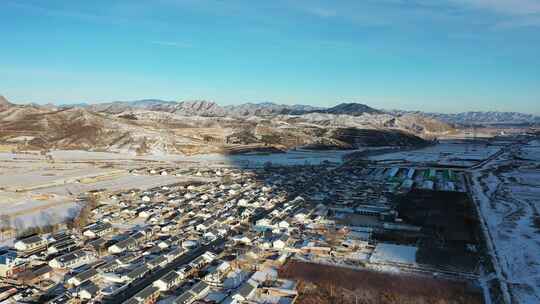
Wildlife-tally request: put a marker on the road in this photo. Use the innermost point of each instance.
(503, 285)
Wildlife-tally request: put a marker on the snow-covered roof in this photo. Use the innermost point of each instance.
(390, 253)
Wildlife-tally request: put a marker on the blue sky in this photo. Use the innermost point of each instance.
(432, 55)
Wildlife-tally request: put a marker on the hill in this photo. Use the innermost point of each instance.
(156, 126)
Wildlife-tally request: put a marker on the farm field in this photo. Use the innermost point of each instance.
(449, 153)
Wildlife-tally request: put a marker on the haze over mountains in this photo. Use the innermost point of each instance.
(154, 126)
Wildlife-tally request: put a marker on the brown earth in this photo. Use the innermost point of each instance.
(328, 284)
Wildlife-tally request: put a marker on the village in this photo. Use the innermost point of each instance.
(225, 241)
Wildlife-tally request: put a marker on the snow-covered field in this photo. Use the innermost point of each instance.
(445, 153)
(508, 192)
(257, 160)
(289, 158)
(119, 183)
(34, 192)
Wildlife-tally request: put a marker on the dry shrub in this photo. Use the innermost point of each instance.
(328, 284)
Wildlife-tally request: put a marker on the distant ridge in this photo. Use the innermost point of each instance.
(268, 108)
(478, 117)
(352, 108)
(210, 108)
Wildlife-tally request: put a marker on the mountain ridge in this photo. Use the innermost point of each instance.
(478, 117)
(193, 127)
(212, 109)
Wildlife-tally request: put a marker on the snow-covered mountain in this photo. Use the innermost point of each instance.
(268, 108)
(490, 117)
(210, 108)
(477, 117)
(4, 103)
(156, 126)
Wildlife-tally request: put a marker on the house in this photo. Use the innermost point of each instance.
(190, 244)
(148, 295)
(235, 279)
(280, 242)
(284, 225)
(301, 215)
(209, 256)
(98, 230)
(263, 225)
(245, 292)
(216, 276)
(59, 236)
(126, 259)
(82, 277)
(88, 290)
(72, 260)
(164, 244)
(124, 245)
(99, 245)
(210, 236)
(198, 263)
(35, 275)
(241, 239)
(201, 227)
(62, 246)
(62, 299)
(174, 254)
(140, 236)
(146, 213)
(136, 273)
(185, 271)
(108, 266)
(168, 281)
(200, 289)
(9, 264)
(160, 261)
(185, 298)
(31, 244)
(264, 275)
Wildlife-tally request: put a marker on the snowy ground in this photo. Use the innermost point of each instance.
(257, 160)
(34, 192)
(446, 153)
(508, 191)
(254, 159)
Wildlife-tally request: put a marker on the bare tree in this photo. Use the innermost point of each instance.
(5, 221)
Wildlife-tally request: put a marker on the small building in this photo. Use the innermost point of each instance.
(72, 260)
(99, 245)
(185, 298)
(280, 242)
(124, 245)
(148, 295)
(245, 292)
(200, 289)
(62, 246)
(160, 261)
(174, 254)
(98, 230)
(35, 275)
(88, 290)
(10, 264)
(31, 244)
(136, 273)
(82, 277)
(168, 281)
